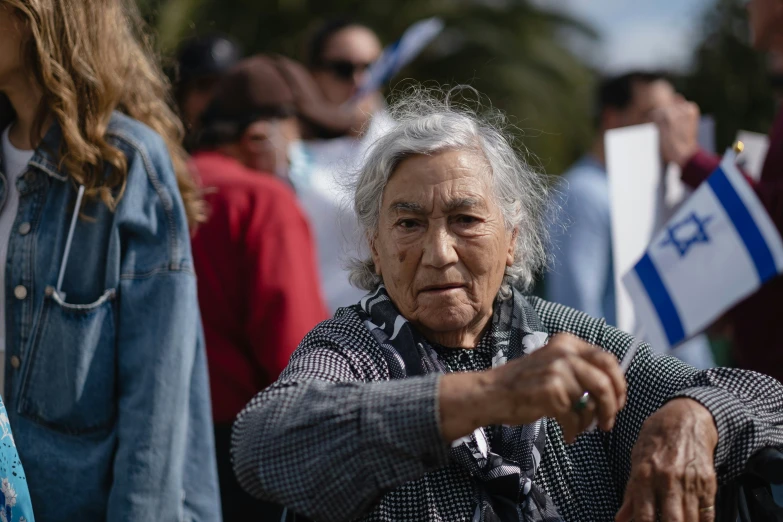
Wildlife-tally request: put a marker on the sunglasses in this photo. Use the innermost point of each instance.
(344, 69)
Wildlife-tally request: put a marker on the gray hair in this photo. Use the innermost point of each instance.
(427, 124)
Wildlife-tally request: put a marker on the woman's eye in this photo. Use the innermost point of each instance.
(466, 220)
(407, 223)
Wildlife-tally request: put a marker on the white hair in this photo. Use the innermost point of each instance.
(427, 124)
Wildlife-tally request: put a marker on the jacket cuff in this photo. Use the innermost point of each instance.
(403, 416)
(699, 168)
(727, 411)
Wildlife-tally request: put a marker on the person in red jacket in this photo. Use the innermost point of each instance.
(757, 322)
(258, 285)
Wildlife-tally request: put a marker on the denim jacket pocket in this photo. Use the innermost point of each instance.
(69, 380)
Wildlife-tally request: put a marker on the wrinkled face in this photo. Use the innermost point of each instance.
(344, 63)
(766, 23)
(442, 246)
(264, 146)
(12, 36)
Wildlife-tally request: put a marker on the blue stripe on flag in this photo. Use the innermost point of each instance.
(746, 227)
(661, 300)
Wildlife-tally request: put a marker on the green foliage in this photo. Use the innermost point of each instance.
(509, 50)
(729, 78)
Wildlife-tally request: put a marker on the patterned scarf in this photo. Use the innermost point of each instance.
(506, 466)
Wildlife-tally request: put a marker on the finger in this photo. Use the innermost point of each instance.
(611, 367)
(572, 420)
(708, 489)
(707, 514)
(586, 415)
(572, 426)
(595, 381)
(669, 496)
(690, 507)
(626, 511)
(567, 343)
(660, 115)
(693, 109)
(561, 392)
(644, 500)
(690, 497)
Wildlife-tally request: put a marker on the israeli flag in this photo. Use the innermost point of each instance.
(719, 248)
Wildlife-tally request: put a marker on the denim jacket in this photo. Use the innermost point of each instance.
(106, 384)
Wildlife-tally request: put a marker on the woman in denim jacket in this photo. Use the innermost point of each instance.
(105, 379)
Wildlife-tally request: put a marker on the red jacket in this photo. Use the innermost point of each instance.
(758, 320)
(258, 286)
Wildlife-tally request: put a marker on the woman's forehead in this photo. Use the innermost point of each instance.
(446, 181)
(452, 168)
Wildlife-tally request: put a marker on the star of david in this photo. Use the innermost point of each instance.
(688, 232)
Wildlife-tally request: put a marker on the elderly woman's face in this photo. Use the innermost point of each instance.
(442, 247)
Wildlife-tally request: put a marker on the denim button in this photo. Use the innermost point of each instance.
(15, 362)
(24, 228)
(20, 292)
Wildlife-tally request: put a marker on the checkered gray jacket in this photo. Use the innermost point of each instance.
(335, 439)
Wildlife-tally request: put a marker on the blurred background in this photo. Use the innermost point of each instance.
(535, 59)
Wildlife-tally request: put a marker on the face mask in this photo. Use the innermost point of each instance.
(300, 166)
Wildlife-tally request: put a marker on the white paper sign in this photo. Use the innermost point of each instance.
(642, 201)
(751, 160)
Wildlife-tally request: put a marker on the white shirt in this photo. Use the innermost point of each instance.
(14, 165)
(323, 189)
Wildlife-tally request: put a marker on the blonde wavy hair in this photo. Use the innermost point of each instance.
(89, 58)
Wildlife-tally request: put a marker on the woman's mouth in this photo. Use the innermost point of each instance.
(443, 289)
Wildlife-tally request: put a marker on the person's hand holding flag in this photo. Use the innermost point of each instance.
(720, 247)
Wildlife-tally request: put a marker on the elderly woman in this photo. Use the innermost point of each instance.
(431, 400)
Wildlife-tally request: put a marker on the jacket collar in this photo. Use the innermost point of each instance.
(47, 155)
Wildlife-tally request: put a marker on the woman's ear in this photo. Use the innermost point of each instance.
(512, 248)
(376, 257)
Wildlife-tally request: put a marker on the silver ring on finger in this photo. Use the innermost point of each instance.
(581, 404)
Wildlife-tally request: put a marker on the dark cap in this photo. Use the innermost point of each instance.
(206, 56)
(273, 87)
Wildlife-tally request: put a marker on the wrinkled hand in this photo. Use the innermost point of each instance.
(672, 467)
(546, 383)
(679, 130)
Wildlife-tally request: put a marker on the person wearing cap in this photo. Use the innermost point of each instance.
(201, 62)
(258, 285)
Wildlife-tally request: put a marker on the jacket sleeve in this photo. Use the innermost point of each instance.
(284, 288)
(699, 168)
(747, 407)
(157, 353)
(163, 420)
(328, 445)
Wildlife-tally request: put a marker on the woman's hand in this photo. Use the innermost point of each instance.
(672, 470)
(547, 383)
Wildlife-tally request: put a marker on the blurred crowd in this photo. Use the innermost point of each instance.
(103, 419)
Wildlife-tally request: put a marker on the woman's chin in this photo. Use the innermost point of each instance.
(446, 317)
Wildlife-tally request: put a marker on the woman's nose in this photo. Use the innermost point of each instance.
(439, 248)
